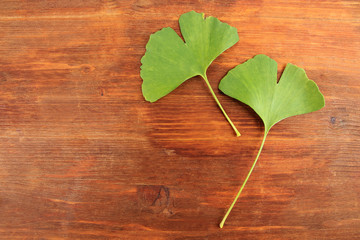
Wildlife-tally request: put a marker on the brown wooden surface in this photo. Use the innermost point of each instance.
(83, 156)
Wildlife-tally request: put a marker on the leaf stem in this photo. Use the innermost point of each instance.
(219, 104)
(243, 185)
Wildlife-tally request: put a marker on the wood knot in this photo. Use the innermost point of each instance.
(155, 199)
(85, 68)
(333, 120)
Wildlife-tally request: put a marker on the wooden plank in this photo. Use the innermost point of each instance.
(84, 156)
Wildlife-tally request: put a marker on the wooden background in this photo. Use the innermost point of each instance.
(84, 156)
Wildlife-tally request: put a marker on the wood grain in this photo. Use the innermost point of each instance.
(84, 156)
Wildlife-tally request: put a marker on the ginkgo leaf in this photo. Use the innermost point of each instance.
(255, 84)
(169, 61)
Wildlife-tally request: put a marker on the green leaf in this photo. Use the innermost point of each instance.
(255, 84)
(168, 61)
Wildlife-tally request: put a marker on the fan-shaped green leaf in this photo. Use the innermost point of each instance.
(169, 61)
(254, 83)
